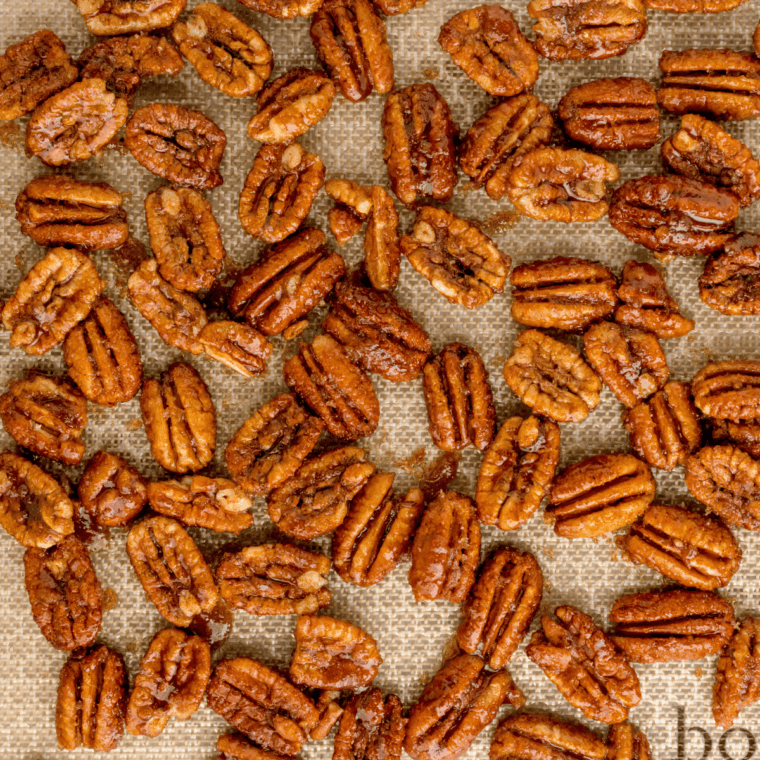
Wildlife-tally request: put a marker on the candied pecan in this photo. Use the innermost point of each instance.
(693, 6)
(75, 124)
(561, 185)
(578, 29)
(182, 146)
(351, 195)
(179, 418)
(315, 500)
(284, 9)
(731, 280)
(111, 490)
(176, 316)
(92, 695)
(274, 579)
(562, 292)
(171, 569)
(599, 495)
(455, 706)
(371, 727)
(59, 210)
(396, 7)
(737, 678)
(501, 606)
(446, 549)
(728, 390)
(551, 378)
(745, 435)
(349, 36)
(377, 531)
(612, 114)
(237, 747)
(31, 71)
(239, 346)
(55, 296)
(626, 742)
(291, 105)
(102, 356)
(330, 713)
(344, 223)
(226, 53)
(419, 144)
(460, 262)
(382, 254)
(170, 682)
(109, 17)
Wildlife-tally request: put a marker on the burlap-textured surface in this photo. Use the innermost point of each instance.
(413, 638)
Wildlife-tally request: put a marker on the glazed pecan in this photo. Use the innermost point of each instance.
(382, 254)
(46, 415)
(626, 742)
(580, 29)
(92, 695)
(599, 495)
(291, 105)
(371, 727)
(170, 682)
(737, 678)
(396, 7)
(731, 280)
(59, 210)
(55, 296)
(551, 378)
(487, 44)
(330, 713)
(110, 17)
(238, 346)
(516, 471)
(111, 490)
(446, 550)
(728, 390)
(315, 500)
(692, 6)
(274, 579)
(237, 747)
(612, 114)
(182, 146)
(353, 204)
(455, 706)
(562, 292)
(745, 435)
(284, 9)
(377, 531)
(419, 144)
(179, 418)
(501, 606)
(171, 569)
(561, 185)
(460, 262)
(102, 356)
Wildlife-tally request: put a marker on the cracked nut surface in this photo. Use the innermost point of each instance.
(382, 252)
(745, 435)
(284, 9)
(730, 282)
(728, 390)
(238, 346)
(371, 727)
(110, 17)
(737, 679)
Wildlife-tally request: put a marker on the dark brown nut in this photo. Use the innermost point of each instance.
(64, 593)
(55, 296)
(460, 262)
(109, 17)
(552, 378)
(284, 9)
(664, 429)
(111, 490)
(600, 495)
(377, 531)
(499, 137)
(563, 293)
(382, 254)
(349, 36)
(176, 316)
(92, 696)
(581, 29)
(238, 346)
(262, 704)
(227, 53)
(31, 71)
(170, 682)
(501, 606)
(396, 7)
(731, 280)
(585, 665)
(274, 579)
(674, 215)
(561, 185)
(291, 105)
(517, 470)
(446, 550)
(75, 124)
(34, 509)
(728, 390)
(334, 388)
(182, 146)
(171, 569)
(237, 747)
(315, 500)
(371, 727)
(179, 418)
(279, 191)
(455, 706)
(612, 114)
(102, 356)
(419, 144)
(745, 435)
(737, 678)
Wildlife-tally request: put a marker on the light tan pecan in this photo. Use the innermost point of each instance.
(284, 9)
(238, 346)
(370, 727)
(745, 435)
(728, 390)
(109, 17)
(382, 254)
(731, 280)
(737, 678)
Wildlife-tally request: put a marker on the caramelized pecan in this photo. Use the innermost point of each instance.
(626, 742)
(344, 223)
(371, 727)
(396, 7)
(737, 678)
(382, 254)
(330, 713)
(284, 9)
(731, 280)
(692, 6)
(109, 17)
(745, 435)
(240, 347)
(355, 201)
(728, 390)
(237, 747)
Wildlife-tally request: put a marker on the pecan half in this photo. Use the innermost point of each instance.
(237, 747)
(238, 346)
(370, 727)
(382, 254)
(728, 390)
(745, 435)
(396, 7)
(626, 742)
(109, 17)
(284, 9)
(170, 682)
(731, 280)
(179, 418)
(737, 678)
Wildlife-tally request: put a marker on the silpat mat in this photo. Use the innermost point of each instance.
(413, 638)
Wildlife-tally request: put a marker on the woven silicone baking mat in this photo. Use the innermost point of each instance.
(413, 638)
